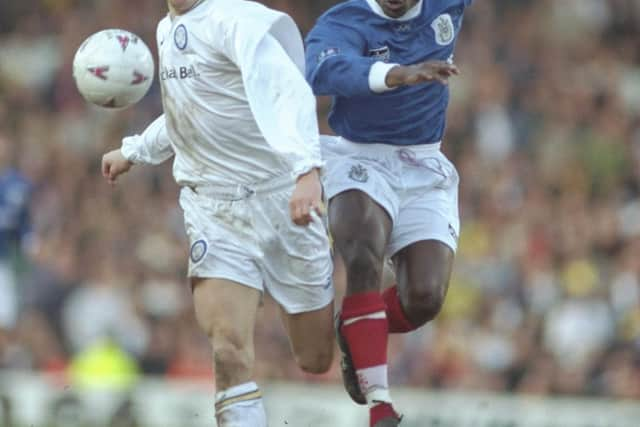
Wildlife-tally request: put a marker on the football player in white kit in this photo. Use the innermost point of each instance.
(241, 121)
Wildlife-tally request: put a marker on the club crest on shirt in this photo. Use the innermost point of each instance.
(198, 251)
(180, 37)
(444, 29)
(380, 53)
(359, 173)
(332, 51)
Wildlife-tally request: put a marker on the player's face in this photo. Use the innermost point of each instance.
(396, 8)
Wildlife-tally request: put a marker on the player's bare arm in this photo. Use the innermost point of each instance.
(428, 71)
(306, 198)
(114, 164)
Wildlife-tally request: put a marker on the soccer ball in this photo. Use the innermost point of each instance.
(113, 69)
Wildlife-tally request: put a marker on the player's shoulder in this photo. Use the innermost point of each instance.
(232, 12)
(447, 4)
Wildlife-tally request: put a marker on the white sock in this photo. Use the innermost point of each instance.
(240, 406)
(374, 384)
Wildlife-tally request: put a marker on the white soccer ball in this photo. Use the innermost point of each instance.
(113, 69)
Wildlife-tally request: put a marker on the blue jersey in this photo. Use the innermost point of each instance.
(15, 225)
(350, 37)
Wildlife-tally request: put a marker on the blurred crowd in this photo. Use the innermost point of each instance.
(544, 127)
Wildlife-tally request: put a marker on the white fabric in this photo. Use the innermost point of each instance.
(246, 235)
(237, 107)
(414, 12)
(245, 413)
(376, 315)
(152, 147)
(374, 384)
(417, 186)
(236, 390)
(8, 297)
(378, 76)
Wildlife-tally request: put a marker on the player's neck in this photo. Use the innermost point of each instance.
(180, 7)
(413, 12)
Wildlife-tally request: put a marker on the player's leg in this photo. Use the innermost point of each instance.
(226, 312)
(361, 184)
(313, 352)
(361, 228)
(227, 287)
(423, 270)
(296, 268)
(423, 241)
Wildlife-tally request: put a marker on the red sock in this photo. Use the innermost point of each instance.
(365, 328)
(380, 412)
(398, 321)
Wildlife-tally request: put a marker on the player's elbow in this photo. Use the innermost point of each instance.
(314, 82)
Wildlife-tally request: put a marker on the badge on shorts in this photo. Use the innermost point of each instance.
(359, 173)
(180, 37)
(198, 251)
(444, 29)
(453, 233)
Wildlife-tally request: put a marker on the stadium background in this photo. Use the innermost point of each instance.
(544, 128)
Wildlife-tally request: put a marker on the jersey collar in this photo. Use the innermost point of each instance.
(414, 12)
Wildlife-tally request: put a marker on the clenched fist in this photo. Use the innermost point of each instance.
(114, 164)
(306, 198)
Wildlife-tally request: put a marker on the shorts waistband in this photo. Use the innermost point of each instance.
(244, 191)
(381, 147)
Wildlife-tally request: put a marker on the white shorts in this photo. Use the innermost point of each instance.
(245, 234)
(417, 186)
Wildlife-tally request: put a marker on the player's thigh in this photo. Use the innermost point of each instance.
(356, 215)
(311, 337)
(426, 264)
(296, 267)
(423, 245)
(361, 187)
(295, 262)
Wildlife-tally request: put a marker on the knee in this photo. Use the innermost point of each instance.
(360, 254)
(363, 264)
(425, 299)
(317, 362)
(233, 358)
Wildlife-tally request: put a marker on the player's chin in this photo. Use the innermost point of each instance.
(396, 8)
(181, 5)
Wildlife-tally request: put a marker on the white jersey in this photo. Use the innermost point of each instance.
(237, 109)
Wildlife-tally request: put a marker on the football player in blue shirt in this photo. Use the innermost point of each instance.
(386, 63)
(15, 231)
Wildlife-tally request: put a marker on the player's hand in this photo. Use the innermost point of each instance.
(428, 71)
(306, 198)
(114, 164)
